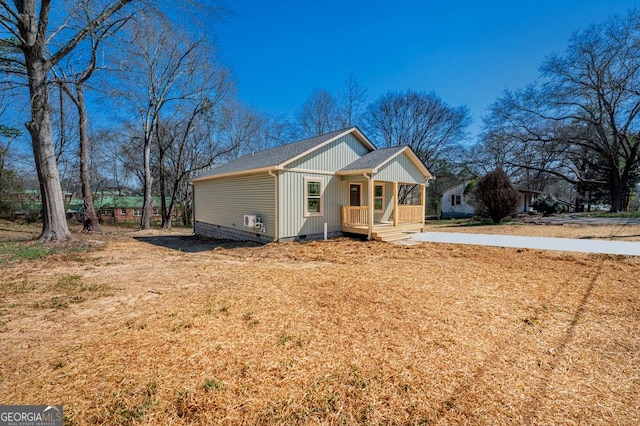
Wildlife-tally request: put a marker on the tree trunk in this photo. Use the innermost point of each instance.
(164, 210)
(54, 221)
(616, 191)
(580, 196)
(91, 220)
(147, 206)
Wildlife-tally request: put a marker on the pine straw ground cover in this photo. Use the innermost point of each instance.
(168, 329)
(623, 232)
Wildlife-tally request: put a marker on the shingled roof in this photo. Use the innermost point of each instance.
(374, 159)
(273, 157)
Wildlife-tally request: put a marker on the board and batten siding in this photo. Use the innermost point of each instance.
(387, 207)
(225, 201)
(332, 157)
(400, 169)
(293, 223)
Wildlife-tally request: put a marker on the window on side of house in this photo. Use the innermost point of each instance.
(378, 198)
(458, 199)
(137, 212)
(313, 197)
(123, 212)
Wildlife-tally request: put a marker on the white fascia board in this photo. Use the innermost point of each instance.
(238, 173)
(354, 172)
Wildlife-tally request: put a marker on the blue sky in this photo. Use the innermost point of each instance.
(467, 52)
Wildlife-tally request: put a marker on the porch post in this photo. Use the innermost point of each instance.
(423, 200)
(370, 207)
(395, 203)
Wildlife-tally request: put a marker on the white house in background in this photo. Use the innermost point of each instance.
(454, 203)
(527, 196)
(329, 184)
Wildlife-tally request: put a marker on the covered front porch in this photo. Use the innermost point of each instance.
(382, 222)
(386, 194)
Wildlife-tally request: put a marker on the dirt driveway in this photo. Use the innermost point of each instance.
(573, 219)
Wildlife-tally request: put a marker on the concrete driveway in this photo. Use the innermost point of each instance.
(540, 243)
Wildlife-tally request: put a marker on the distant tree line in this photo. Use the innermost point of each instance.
(579, 123)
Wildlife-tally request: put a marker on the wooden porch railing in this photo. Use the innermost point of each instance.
(358, 216)
(410, 214)
(354, 216)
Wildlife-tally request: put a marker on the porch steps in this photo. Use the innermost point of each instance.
(389, 235)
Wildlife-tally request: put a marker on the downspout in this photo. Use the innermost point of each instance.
(369, 205)
(193, 206)
(277, 230)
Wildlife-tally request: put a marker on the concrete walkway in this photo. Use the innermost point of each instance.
(540, 243)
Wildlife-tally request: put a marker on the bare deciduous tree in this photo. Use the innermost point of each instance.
(239, 129)
(421, 120)
(585, 111)
(352, 103)
(162, 70)
(28, 22)
(73, 84)
(194, 148)
(319, 114)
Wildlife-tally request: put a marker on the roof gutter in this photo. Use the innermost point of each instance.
(239, 173)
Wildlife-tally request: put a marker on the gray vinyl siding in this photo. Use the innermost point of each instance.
(332, 157)
(400, 169)
(225, 201)
(291, 194)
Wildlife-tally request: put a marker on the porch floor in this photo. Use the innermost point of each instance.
(386, 231)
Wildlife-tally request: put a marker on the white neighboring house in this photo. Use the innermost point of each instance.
(527, 196)
(454, 203)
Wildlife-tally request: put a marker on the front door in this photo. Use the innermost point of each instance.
(354, 194)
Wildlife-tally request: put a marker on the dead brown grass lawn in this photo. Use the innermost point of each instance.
(569, 230)
(338, 332)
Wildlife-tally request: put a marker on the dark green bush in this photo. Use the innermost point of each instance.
(546, 205)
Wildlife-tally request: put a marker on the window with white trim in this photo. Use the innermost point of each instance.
(378, 197)
(313, 202)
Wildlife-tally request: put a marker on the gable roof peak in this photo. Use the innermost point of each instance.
(280, 155)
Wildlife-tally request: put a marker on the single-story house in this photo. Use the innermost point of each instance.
(326, 185)
(454, 204)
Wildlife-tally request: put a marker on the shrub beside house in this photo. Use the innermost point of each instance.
(455, 202)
